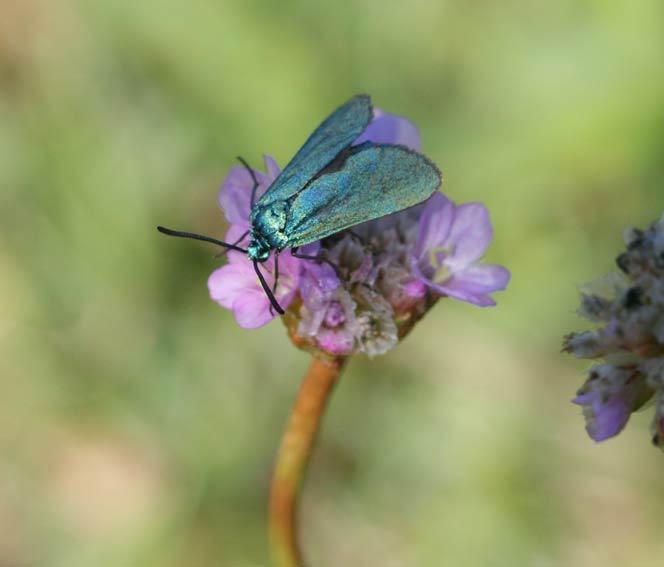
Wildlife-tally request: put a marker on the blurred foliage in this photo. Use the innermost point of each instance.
(139, 423)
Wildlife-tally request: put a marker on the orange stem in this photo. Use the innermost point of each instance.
(297, 443)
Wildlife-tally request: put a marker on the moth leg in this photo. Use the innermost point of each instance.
(276, 273)
(253, 178)
(224, 252)
(316, 259)
(276, 277)
(266, 288)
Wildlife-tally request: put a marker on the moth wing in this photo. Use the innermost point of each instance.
(338, 131)
(375, 180)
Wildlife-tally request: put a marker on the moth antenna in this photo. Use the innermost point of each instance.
(276, 276)
(253, 178)
(267, 290)
(194, 236)
(224, 252)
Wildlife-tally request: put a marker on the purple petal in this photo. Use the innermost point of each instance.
(232, 236)
(415, 289)
(252, 309)
(469, 236)
(584, 399)
(606, 419)
(235, 195)
(610, 420)
(234, 232)
(317, 282)
(235, 192)
(484, 278)
(231, 281)
(388, 128)
(235, 286)
(310, 249)
(290, 268)
(435, 224)
(608, 397)
(475, 284)
(272, 169)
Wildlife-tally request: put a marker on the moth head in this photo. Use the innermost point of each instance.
(258, 251)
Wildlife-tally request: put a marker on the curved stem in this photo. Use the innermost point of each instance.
(296, 446)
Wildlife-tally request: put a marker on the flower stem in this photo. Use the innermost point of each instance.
(296, 446)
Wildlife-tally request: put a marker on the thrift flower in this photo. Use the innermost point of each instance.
(450, 242)
(629, 307)
(387, 273)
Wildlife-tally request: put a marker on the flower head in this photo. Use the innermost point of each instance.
(372, 282)
(629, 307)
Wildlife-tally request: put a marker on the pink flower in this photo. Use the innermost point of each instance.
(450, 243)
(235, 286)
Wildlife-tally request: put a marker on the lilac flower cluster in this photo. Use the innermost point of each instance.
(388, 271)
(629, 306)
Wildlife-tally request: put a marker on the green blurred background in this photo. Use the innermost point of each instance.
(138, 423)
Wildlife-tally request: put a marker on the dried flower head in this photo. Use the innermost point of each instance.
(376, 280)
(629, 307)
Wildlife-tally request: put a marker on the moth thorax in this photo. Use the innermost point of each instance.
(269, 224)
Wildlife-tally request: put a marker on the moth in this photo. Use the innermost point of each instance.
(329, 186)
